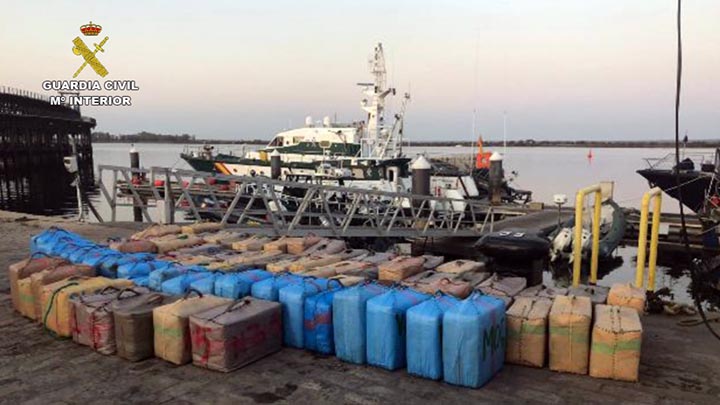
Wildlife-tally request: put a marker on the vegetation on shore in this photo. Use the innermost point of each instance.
(149, 137)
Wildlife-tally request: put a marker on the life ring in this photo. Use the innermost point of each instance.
(483, 160)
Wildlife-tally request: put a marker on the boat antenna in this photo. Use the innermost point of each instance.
(473, 129)
(694, 271)
(504, 132)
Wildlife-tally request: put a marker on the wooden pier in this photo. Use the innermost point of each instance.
(35, 136)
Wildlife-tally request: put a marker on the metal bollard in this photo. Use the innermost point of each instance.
(655, 193)
(135, 164)
(275, 165)
(496, 178)
(577, 238)
(421, 176)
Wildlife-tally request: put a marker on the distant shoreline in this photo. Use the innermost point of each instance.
(709, 144)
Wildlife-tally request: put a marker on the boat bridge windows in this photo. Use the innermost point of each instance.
(277, 141)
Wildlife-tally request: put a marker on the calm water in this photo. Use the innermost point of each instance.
(544, 171)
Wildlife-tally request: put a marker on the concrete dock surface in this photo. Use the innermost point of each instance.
(678, 365)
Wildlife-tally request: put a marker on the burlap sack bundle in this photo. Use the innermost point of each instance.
(24, 269)
(201, 227)
(57, 308)
(400, 268)
(279, 245)
(171, 323)
(167, 245)
(297, 246)
(527, 331)
(251, 244)
(616, 341)
(30, 288)
(156, 230)
(570, 319)
(626, 295)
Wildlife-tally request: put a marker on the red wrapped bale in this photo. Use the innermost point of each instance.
(229, 337)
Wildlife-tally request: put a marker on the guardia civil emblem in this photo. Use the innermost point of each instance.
(90, 57)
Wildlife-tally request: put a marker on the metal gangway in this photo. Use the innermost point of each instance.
(260, 205)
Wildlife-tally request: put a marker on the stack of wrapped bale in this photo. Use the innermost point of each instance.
(527, 325)
(616, 341)
(171, 324)
(23, 270)
(626, 295)
(93, 321)
(400, 268)
(133, 320)
(349, 321)
(424, 336)
(57, 308)
(570, 319)
(473, 340)
(229, 336)
(386, 334)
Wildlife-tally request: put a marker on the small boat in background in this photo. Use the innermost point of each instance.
(697, 175)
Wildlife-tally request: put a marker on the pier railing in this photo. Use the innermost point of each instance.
(265, 206)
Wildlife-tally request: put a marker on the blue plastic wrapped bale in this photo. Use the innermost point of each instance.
(72, 248)
(206, 285)
(142, 281)
(318, 325)
(386, 326)
(41, 243)
(268, 289)
(180, 284)
(238, 285)
(99, 258)
(110, 265)
(96, 258)
(46, 240)
(77, 255)
(424, 336)
(65, 245)
(159, 276)
(140, 268)
(292, 300)
(474, 341)
(349, 311)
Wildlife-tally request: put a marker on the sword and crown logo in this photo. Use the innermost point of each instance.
(89, 56)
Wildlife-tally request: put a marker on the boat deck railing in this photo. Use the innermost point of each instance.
(667, 162)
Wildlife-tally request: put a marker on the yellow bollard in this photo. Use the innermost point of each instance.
(656, 193)
(577, 241)
(595, 253)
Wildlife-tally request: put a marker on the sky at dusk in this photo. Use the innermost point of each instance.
(562, 69)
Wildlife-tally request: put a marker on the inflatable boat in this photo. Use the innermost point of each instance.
(514, 245)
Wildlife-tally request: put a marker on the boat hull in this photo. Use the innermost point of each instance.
(693, 185)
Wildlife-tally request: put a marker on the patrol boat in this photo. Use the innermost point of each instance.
(366, 154)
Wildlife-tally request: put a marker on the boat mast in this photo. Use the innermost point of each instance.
(377, 136)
